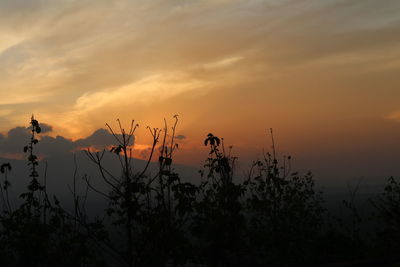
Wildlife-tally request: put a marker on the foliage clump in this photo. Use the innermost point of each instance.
(39, 232)
(387, 206)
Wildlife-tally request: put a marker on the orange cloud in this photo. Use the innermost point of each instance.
(394, 116)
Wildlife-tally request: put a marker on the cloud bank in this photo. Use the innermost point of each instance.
(11, 144)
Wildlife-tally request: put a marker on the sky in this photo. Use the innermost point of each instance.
(322, 74)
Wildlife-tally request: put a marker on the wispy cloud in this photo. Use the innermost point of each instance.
(393, 116)
(77, 63)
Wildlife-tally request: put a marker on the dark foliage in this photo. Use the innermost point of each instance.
(388, 215)
(39, 232)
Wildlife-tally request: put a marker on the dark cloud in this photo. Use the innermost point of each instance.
(15, 140)
(49, 146)
(180, 137)
(46, 128)
(100, 139)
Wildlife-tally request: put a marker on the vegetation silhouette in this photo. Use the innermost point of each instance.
(271, 217)
(40, 232)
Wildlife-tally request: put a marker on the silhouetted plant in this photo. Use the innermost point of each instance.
(353, 228)
(284, 211)
(38, 232)
(387, 207)
(343, 239)
(150, 211)
(218, 223)
(5, 168)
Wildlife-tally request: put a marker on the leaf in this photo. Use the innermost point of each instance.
(38, 129)
(25, 149)
(4, 166)
(116, 150)
(56, 201)
(212, 142)
(206, 142)
(217, 140)
(32, 158)
(6, 184)
(34, 122)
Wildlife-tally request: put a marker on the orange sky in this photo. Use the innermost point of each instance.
(323, 74)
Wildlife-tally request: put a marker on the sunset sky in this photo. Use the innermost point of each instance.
(325, 75)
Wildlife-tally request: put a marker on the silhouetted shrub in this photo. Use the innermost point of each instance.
(39, 232)
(218, 223)
(387, 206)
(284, 213)
(150, 213)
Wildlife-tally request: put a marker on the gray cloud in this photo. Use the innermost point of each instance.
(49, 146)
(100, 138)
(53, 147)
(15, 140)
(180, 137)
(45, 128)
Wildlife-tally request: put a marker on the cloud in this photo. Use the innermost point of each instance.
(5, 112)
(55, 146)
(45, 128)
(150, 89)
(393, 116)
(100, 139)
(180, 137)
(223, 62)
(15, 140)
(49, 146)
